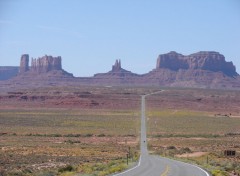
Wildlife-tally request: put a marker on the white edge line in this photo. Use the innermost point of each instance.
(193, 165)
(198, 168)
(139, 162)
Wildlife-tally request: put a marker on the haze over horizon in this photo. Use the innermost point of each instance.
(91, 35)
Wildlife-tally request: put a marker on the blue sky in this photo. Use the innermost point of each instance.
(91, 34)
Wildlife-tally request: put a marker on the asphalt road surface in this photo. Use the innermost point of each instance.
(150, 165)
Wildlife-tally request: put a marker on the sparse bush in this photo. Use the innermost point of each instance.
(171, 147)
(88, 135)
(67, 168)
(185, 150)
(47, 173)
(101, 135)
(218, 173)
(55, 135)
(72, 135)
(72, 141)
(16, 173)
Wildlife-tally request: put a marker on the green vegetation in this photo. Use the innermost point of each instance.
(103, 169)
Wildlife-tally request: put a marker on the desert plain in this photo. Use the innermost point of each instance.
(90, 130)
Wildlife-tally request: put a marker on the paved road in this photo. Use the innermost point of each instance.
(150, 165)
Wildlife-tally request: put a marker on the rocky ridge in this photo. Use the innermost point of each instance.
(199, 70)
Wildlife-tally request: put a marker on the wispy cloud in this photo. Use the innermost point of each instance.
(72, 33)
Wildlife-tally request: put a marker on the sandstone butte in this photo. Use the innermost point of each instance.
(205, 69)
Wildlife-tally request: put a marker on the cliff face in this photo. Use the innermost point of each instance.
(46, 64)
(24, 63)
(211, 61)
(173, 61)
(40, 65)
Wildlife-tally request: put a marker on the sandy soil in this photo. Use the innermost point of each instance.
(189, 155)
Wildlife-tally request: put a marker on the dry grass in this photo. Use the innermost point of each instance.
(174, 132)
(89, 129)
(48, 139)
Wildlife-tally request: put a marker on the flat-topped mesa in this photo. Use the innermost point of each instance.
(203, 60)
(24, 64)
(172, 60)
(117, 66)
(46, 64)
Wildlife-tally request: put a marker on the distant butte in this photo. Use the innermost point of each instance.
(116, 72)
(41, 65)
(46, 65)
(211, 61)
(205, 69)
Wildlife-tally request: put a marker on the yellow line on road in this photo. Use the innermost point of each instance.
(166, 171)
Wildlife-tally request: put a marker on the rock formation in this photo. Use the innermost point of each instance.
(173, 61)
(24, 67)
(117, 66)
(46, 68)
(117, 71)
(211, 61)
(205, 69)
(40, 65)
(46, 64)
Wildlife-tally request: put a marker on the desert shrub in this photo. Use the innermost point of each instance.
(86, 168)
(24, 172)
(101, 135)
(72, 135)
(229, 167)
(67, 168)
(103, 169)
(16, 173)
(72, 141)
(185, 150)
(47, 173)
(218, 173)
(171, 147)
(55, 135)
(99, 167)
(103, 173)
(69, 141)
(88, 135)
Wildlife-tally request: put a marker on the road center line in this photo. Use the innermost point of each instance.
(166, 171)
